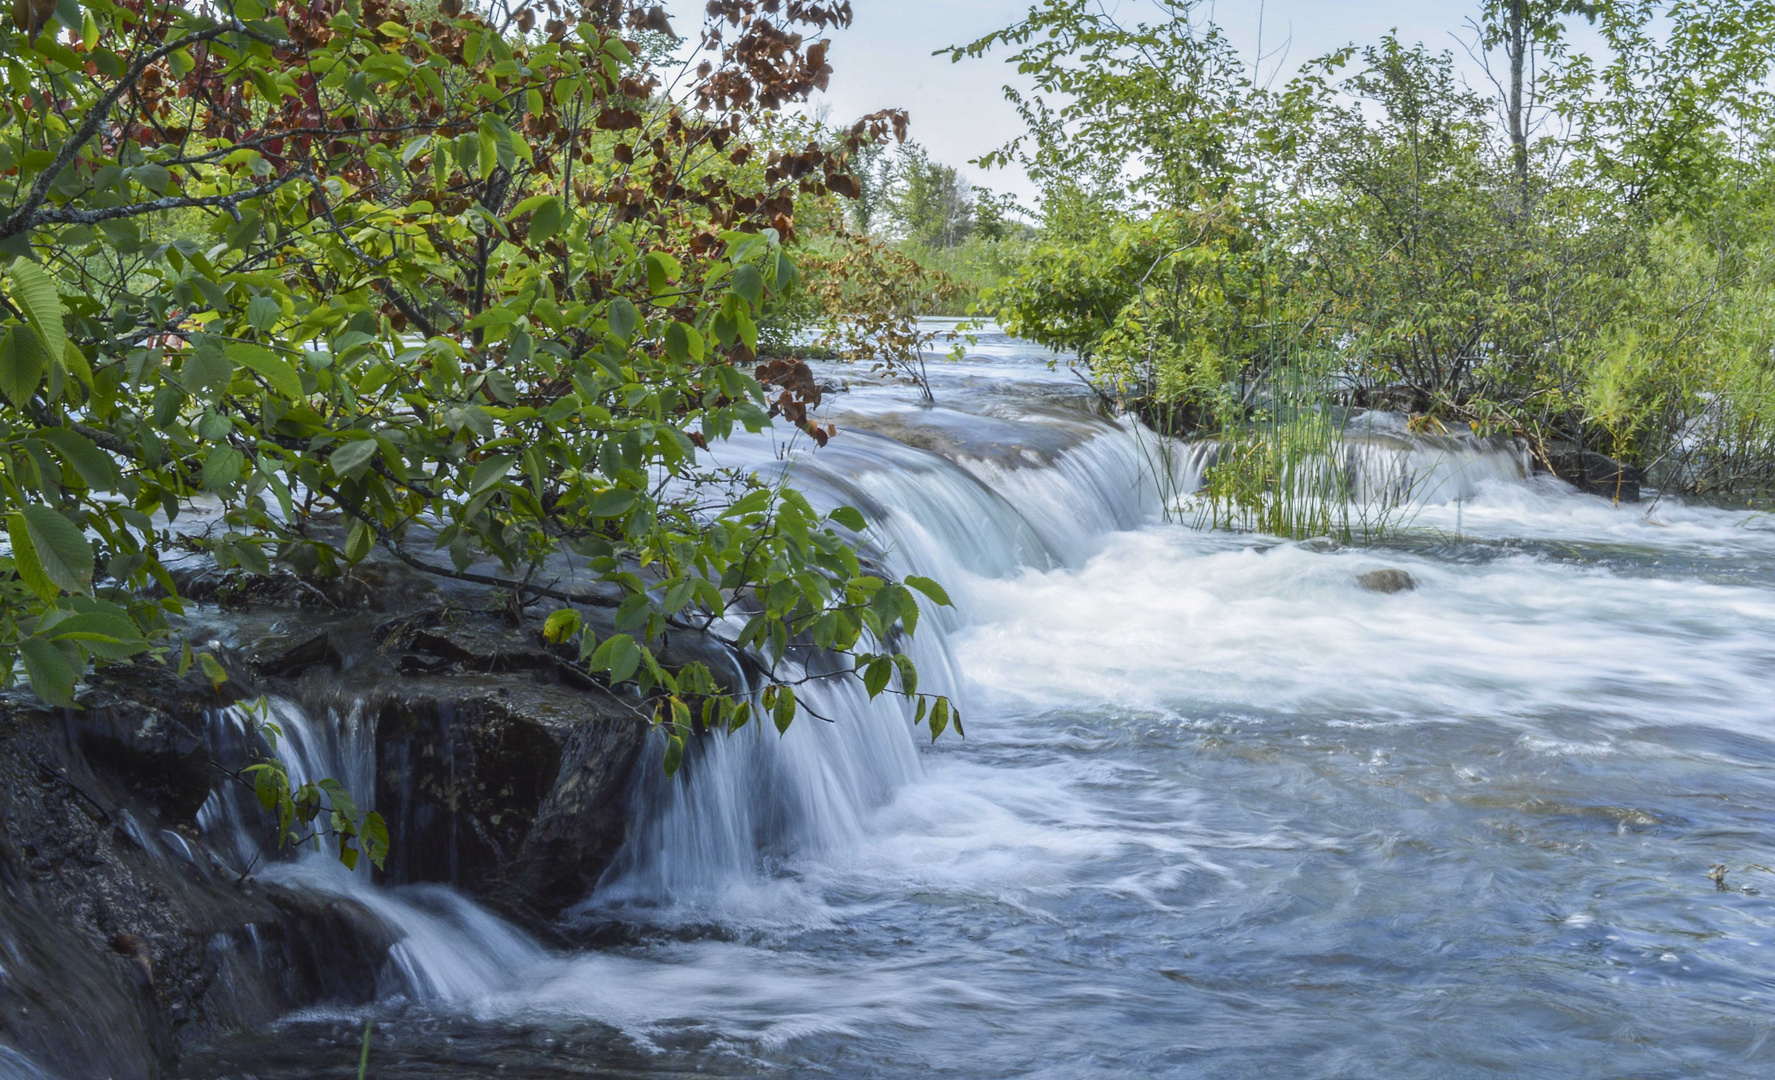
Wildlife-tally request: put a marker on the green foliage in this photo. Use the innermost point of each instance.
(310, 812)
(452, 288)
(1579, 259)
(1683, 381)
(869, 297)
(1156, 112)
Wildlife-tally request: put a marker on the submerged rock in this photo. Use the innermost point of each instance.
(1387, 580)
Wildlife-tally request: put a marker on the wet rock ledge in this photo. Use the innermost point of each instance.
(127, 935)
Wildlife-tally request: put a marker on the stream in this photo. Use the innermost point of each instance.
(1219, 811)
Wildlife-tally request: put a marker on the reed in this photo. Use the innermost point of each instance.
(1280, 462)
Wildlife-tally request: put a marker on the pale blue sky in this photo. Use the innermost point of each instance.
(959, 111)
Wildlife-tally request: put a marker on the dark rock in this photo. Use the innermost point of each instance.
(502, 768)
(511, 791)
(1593, 473)
(1397, 398)
(1388, 580)
(114, 954)
(143, 727)
(299, 657)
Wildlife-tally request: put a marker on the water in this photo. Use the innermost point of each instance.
(1220, 811)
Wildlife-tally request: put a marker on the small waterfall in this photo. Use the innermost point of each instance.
(1391, 462)
(337, 746)
(746, 802)
(447, 948)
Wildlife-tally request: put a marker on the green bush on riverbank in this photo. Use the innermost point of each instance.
(1579, 255)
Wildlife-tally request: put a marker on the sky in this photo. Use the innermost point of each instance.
(959, 112)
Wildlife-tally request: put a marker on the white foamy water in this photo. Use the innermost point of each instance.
(1170, 618)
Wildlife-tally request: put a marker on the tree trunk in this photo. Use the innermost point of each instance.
(1516, 46)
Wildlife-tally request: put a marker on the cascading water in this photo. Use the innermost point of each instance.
(755, 798)
(1221, 811)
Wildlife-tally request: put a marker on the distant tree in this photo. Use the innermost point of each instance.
(929, 203)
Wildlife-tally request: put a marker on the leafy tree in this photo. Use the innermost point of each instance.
(1527, 31)
(1668, 119)
(463, 287)
(929, 203)
(1152, 111)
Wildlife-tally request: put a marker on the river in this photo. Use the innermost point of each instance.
(1219, 811)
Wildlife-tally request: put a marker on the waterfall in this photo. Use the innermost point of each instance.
(447, 948)
(707, 843)
(983, 509)
(16, 1066)
(745, 803)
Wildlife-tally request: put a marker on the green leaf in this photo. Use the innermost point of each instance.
(206, 367)
(275, 369)
(623, 319)
(908, 674)
(350, 459)
(877, 674)
(678, 343)
(749, 283)
(783, 710)
(52, 677)
(222, 467)
(929, 588)
(490, 472)
(546, 220)
(263, 313)
(561, 625)
(618, 655)
(850, 517)
(373, 831)
(613, 503)
(742, 715)
(359, 541)
(504, 390)
(625, 660)
(110, 636)
(59, 551)
(674, 754)
(22, 361)
(939, 718)
(213, 670)
(34, 292)
(662, 271)
(488, 139)
(94, 465)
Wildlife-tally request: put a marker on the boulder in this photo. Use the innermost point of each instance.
(502, 769)
(1593, 473)
(1387, 580)
(510, 790)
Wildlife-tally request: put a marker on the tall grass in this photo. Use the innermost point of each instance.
(1282, 463)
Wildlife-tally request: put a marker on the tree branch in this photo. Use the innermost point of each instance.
(26, 216)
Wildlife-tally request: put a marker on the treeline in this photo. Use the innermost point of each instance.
(1577, 252)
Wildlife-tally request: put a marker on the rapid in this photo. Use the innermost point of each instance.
(1219, 811)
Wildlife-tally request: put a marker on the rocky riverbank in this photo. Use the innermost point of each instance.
(127, 934)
